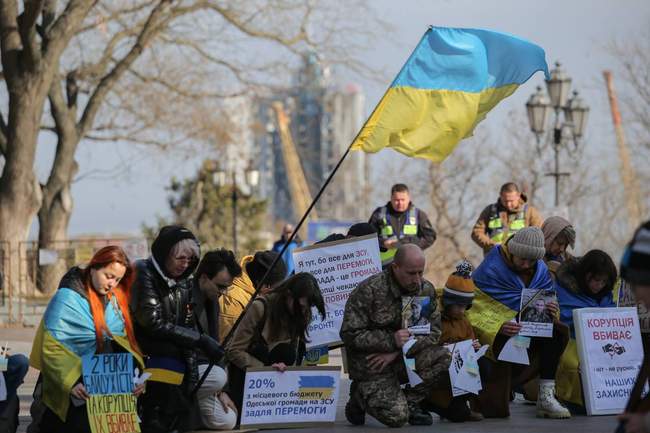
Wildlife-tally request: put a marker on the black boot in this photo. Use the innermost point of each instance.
(418, 416)
(354, 411)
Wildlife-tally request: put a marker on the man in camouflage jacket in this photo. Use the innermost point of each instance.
(373, 334)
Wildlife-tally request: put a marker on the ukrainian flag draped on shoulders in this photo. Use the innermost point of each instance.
(568, 374)
(65, 334)
(498, 295)
(453, 78)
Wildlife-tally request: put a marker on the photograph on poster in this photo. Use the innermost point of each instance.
(535, 319)
(415, 314)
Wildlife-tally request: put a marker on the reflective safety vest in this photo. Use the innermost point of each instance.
(410, 228)
(497, 232)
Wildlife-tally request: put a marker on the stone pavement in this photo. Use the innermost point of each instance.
(522, 417)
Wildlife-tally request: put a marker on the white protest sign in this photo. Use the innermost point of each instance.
(338, 266)
(298, 397)
(463, 369)
(611, 353)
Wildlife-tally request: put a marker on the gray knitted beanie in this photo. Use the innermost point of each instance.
(528, 243)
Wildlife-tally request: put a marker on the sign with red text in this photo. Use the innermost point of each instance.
(338, 266)
(611, 353)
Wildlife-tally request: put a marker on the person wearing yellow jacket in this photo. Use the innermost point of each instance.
(233, 303)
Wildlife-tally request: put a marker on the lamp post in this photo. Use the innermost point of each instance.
(575, 117)
(250, 181)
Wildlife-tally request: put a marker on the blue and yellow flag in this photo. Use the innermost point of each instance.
(445, 88)
(67, 333)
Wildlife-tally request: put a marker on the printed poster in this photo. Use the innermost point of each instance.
(534, 319)
(298, 397)
(416, 311)
(108, 379)
(338, 266)
(611, 353)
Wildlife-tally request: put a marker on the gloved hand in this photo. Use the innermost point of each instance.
(211, 348)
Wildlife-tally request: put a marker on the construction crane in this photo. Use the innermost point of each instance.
(630, 184)
(298, 188)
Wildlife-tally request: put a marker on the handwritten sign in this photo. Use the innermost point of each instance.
(110, 373)
(298, 397)
(108, 379)
(338, 266)
(611, 353)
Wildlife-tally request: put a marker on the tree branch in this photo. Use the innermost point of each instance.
(151, 27)
(27, 30)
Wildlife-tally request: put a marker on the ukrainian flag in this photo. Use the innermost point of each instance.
(67, 333)
(453, 78)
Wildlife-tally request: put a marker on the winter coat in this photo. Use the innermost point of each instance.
(287, 256)
(455, 330)
(248, 332)
(233, 303)
(162, 308)
(480, 233)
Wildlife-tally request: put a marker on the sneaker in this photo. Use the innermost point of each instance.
(547, 404)
(418, 416)
(354, 412)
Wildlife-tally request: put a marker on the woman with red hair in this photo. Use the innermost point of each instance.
(89, 314)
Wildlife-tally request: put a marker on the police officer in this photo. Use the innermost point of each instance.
(504, 218)
(399, 222)
(373, 333)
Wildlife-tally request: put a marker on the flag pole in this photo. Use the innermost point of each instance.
(315, 200)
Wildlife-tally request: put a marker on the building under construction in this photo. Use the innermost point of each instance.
(302, 134)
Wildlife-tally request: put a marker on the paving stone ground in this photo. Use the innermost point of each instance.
(522, 418)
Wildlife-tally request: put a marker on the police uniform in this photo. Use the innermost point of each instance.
(373, 313)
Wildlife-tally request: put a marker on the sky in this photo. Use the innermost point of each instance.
(575, 32)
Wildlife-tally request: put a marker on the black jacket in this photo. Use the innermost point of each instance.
(164, 320)
(425, 237)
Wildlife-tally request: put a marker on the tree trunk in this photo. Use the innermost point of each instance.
(53, 219)
(20, 193)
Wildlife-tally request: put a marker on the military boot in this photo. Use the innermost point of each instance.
(419, 416)
(354, 411)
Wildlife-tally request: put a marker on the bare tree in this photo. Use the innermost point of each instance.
(145, 72)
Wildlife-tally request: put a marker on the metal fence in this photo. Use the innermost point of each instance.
(30, 275)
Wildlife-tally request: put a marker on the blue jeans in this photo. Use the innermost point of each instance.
(16, 371)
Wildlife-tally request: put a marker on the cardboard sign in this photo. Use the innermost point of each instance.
(108, 379)
(113, 413)
(611, 353)
(110, 373)
(298, 397)
(338, 266)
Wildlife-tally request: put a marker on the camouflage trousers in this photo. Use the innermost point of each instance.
(385, 400)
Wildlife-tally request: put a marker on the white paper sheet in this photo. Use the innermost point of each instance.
(414, 378)
(515, 351)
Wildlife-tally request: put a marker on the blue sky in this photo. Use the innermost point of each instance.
(575, 32)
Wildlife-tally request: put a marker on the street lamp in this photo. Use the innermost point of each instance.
(251, 179)
(575, 117)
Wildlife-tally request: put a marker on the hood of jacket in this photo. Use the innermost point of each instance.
(567, 278)
(165, 241)
(73, 279)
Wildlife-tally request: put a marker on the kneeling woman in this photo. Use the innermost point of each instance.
(89, 314)
(273, 331)
(582, 283)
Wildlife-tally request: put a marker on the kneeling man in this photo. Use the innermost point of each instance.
(373, 332)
